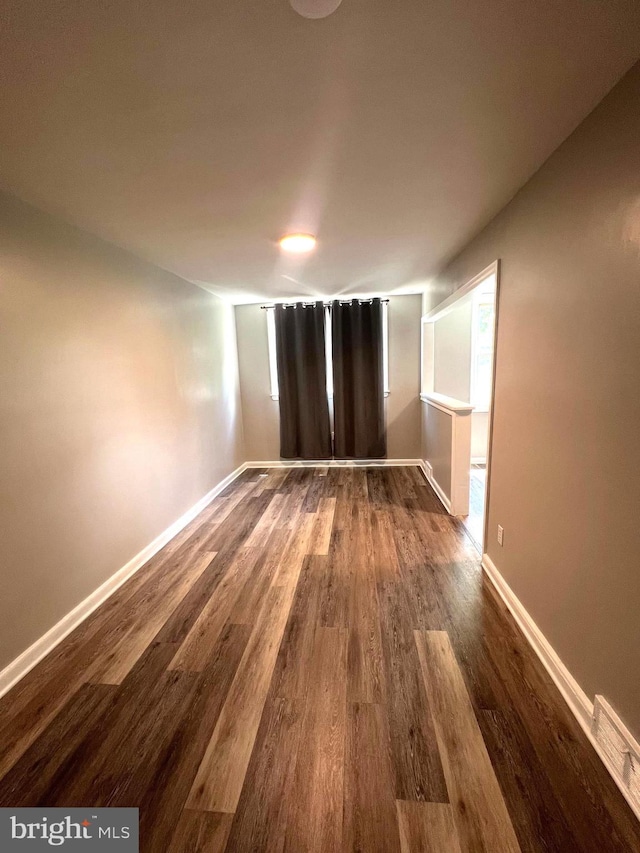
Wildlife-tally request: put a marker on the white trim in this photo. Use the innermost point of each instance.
(460, 452)
(334, 463)
(449, 303)
(621, 753)
(573, 694)
(427, 470)
(479, 460)
(19, 667)
(271, 352)
(579, 704)
(446, 404)
(385, 348)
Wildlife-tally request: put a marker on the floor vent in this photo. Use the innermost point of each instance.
(620, 750)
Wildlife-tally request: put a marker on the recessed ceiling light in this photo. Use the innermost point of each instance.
(298, 243)
(315, 8)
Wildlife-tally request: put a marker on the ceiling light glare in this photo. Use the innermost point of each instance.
(298, 243)
(315, 8)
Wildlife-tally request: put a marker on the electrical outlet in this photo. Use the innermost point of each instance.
(500, 534)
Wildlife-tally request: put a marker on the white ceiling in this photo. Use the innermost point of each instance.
(196, 132)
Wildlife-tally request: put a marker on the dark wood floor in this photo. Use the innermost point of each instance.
(315, 664)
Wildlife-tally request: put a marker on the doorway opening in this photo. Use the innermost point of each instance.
(458, 371)
(483, 314)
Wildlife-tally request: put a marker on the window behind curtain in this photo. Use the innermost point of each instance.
(271, 338)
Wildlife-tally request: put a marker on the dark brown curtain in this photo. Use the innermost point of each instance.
(358, 380)
(305, 430)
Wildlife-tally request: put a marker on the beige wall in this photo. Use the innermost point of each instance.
(260, 412)
(119, 410)
(564, 472)
(452, 352)
(403, 402)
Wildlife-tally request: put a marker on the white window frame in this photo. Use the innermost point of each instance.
(271, 342)
(273, 363)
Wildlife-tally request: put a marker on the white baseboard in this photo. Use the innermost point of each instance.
(428, 473)
(19, 667)
(573, 694)
(575, 697)
(335, 463)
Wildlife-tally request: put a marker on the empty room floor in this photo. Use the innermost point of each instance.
(316, 663)
(474, 522)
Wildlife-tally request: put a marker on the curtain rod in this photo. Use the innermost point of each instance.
(326, 304)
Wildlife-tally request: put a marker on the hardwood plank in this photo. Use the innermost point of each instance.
(335, 594)
(366, 677)
(293, 508)
(535, 812)
(162, 803)
(27, 782)
(221, 773)
(427, 828)
(184, 616)
(194, 653)
(356, 541)
(35, 701)
(294, 552)
(377, 490)
(276, 478)
(422, 589)
(403, 484)
(118, 662)
(385, 557)
(114, 748)
(201, 832)
(261, 817)
(321, 533)
(416, 757)
(409, 546)
(343, 509)
(266, 523)
(479, 810)
(316, 806)
(249, 603)
(285, 545)
(294, 664)
(233, 532)
(305, 767)
(223, 504)
(117, 761)
(370, 821)
(315, 491)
